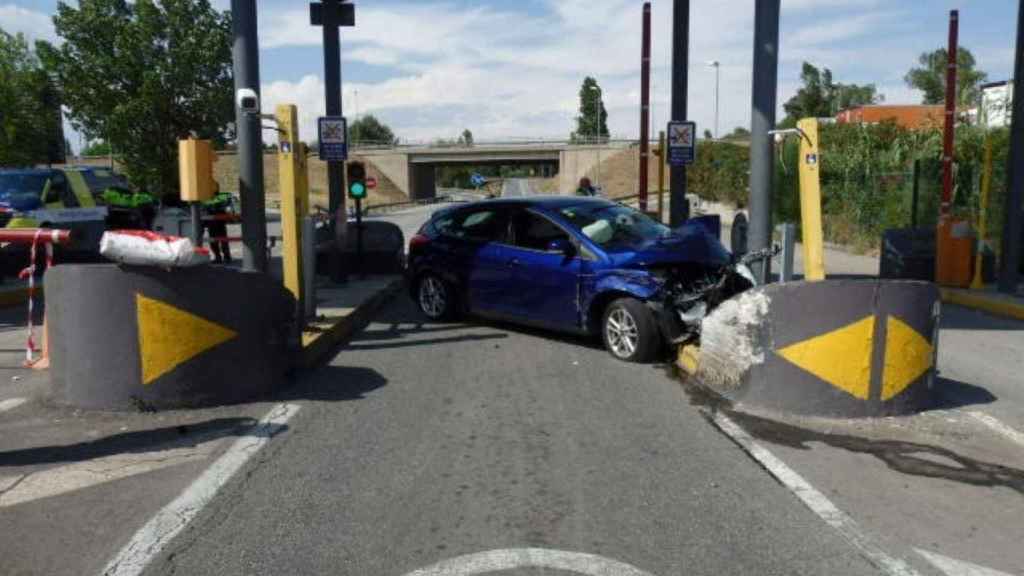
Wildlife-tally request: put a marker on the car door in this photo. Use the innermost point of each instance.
(544, 283)
(469, 248)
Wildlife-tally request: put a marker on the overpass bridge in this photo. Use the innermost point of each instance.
(413, 169)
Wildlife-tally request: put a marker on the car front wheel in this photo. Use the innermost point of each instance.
(434, 297)
(629, 331)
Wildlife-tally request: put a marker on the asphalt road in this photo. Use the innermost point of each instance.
(424, 442)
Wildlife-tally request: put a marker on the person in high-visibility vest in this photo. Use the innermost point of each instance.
(219, 204)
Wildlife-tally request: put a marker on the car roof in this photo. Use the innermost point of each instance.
(27, 171)
(551, 202)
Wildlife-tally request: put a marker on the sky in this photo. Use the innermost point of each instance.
(511, 69)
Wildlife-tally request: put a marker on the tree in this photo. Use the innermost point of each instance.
(930, 77)
(738, 133)
(97, 148)
(143, 75)
(592, 123)
(368, 130)
(821, 97)
(31, 129)
(467, 138)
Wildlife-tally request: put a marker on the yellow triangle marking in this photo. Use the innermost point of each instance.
(841, 357)
(908, 355)
(169, 336)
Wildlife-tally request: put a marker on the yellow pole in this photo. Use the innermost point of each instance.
(294, 189)
(661, 176)
(810, 201)
(986, 181)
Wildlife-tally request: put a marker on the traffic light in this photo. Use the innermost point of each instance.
(356, 176)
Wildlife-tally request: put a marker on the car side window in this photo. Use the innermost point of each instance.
(535, 232)
(485, 225)
(66, 194)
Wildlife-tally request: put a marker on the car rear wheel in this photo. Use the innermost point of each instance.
(629, 331)
(435, 297)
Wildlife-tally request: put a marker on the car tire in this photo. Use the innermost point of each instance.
(629, 331)
(435, 297)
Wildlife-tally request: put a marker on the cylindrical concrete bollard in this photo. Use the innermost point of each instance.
(125, 337)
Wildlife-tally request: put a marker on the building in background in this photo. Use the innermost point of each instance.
(911, 116)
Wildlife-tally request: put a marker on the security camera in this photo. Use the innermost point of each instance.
(248, 101)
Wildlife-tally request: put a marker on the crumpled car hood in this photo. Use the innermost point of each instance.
(690, 242)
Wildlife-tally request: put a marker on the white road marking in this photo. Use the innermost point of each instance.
(998, 427)
(511, 559)
(11, 403)
(815, 500)
(954, 567)
(151, 539)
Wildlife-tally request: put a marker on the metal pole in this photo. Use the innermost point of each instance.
(717, 67)
(680, 207)
(197, 224)
(645, 103)
(766, 63)
(1013, 227)
(950, 127)
(245, 53)
(914, 199)
(359, 237)
(335, 170)
(661, 176)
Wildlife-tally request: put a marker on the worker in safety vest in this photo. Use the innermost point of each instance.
(216, 228)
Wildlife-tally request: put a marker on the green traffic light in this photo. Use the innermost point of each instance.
(357, 190)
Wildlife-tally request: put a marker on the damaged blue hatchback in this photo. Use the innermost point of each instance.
(581, 265)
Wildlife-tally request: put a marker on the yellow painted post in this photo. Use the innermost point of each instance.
(810, 201)
(986, 182)
(291, 166)
(661, 176)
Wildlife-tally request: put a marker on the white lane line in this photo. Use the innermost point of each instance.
(998, 427)
(954, 567)
(815, 500)
(511, 559)
(147, 543)
(11, 403)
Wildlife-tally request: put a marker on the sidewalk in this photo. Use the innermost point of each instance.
(76, 485)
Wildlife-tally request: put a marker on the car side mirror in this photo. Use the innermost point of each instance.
(562, 246)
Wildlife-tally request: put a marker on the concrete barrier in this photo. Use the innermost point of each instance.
(831, 348)
(125, 337)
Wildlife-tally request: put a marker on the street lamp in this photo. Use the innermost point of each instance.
(714, 64)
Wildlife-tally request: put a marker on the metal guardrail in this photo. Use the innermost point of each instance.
(409, 204)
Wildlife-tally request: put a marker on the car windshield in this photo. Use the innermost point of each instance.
(614, 224)
(11, 184)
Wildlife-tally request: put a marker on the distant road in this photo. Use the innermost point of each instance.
(516, 188)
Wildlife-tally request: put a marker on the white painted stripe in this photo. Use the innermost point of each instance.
(815, 500)
(511, 559)
(11, 403)
(998, 427)
(147, 543)
(954, 567)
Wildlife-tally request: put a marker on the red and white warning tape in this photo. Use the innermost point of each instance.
(30, 272)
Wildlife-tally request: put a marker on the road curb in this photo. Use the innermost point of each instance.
(320, 342)
(983, 303)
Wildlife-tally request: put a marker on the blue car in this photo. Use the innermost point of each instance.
(573, 264)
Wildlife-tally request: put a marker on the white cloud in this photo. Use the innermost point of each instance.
(34, 25)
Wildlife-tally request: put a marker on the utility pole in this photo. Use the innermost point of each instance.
(1013, 228)
(332, 14)
(645, 103)
(715, 64)
(766, 64)
(679, 209)
(245, 53)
